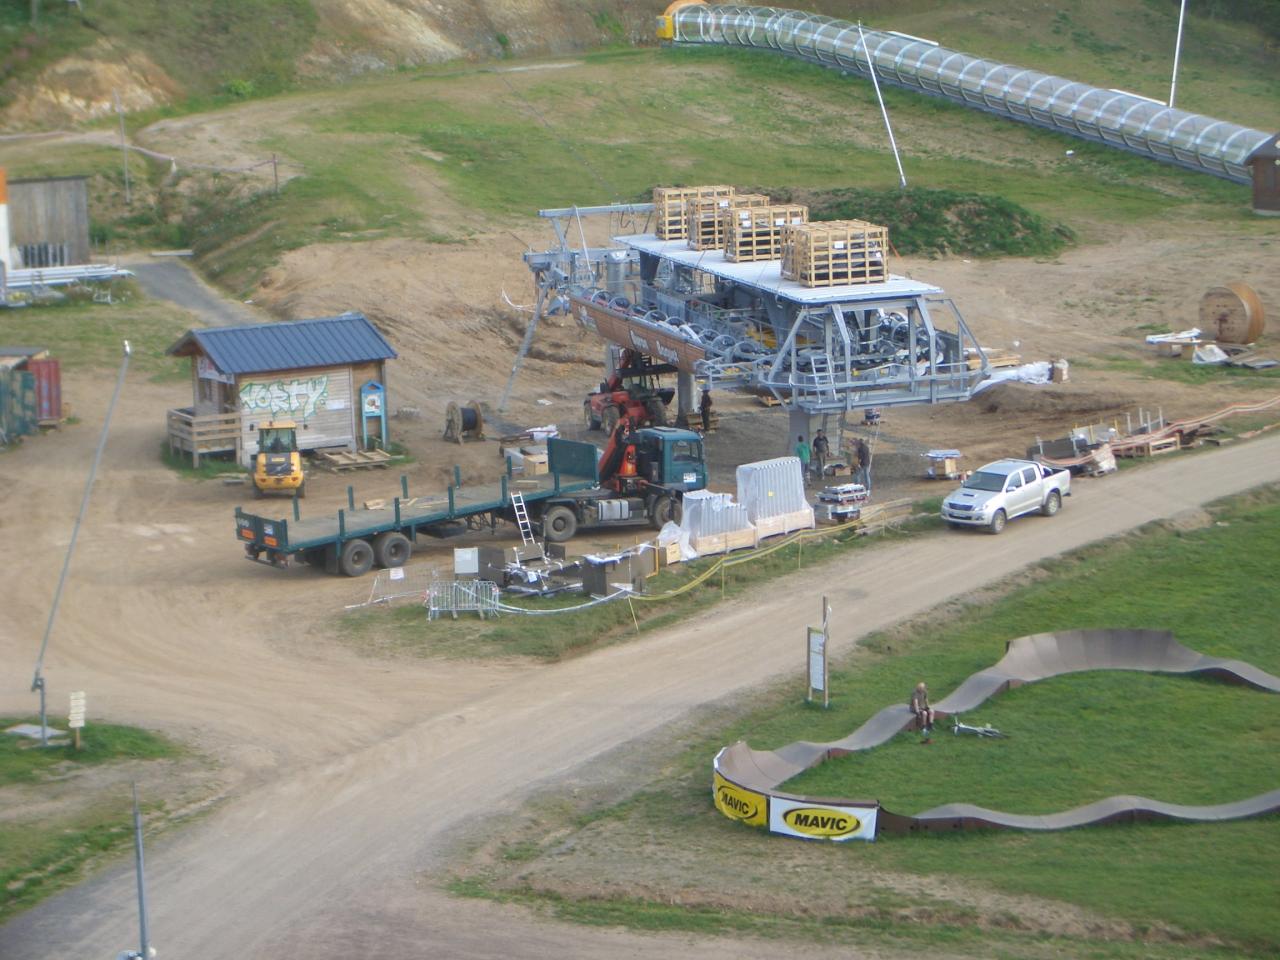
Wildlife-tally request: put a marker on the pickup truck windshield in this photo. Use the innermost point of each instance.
(991, 482)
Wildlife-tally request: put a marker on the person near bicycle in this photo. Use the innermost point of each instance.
(921, 709)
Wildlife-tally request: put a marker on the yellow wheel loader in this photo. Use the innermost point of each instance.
(277, 468)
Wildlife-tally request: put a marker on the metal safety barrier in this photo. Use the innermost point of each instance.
(462, 596)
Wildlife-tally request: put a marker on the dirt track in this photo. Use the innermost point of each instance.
(349, 777)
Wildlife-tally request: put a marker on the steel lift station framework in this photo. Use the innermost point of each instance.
(817, 350)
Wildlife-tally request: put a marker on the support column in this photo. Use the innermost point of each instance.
(798, 424)
(684, 395)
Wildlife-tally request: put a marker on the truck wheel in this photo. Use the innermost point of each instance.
(1052, 503)
(392, 549)
(997, 522)
(356, 558)
(559, 524)
(589, 418)
(609, 419)
(666, 510)
(257, 491)
(302, 490)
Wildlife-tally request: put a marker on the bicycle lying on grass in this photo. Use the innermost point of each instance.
(986, 730)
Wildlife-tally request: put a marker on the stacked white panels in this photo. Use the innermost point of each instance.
(772, 491)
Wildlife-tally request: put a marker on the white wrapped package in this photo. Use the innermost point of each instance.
(714, 523)
(772, 491)
(673, 533)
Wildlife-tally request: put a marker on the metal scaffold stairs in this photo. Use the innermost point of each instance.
(522, 517)
(823, 380)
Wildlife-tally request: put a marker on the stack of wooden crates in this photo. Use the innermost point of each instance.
(671, 203)
(706, 219)
(833, 253)
(755, 233)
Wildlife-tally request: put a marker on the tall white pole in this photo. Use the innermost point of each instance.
(1177, 52)
(875, 82)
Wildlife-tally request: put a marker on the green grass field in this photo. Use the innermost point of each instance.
(1072, 740)
(37, 859)
(83, 334)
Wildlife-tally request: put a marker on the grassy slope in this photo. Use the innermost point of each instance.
(37, 860)
(506, 144)
(1075, 739)
(231, 48)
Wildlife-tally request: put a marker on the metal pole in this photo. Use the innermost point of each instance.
(144, 940)
(875, 82)
(1177, 52)
(124, 151)
(275, 173)
(37, 683)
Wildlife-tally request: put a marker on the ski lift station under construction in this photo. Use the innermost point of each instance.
(741, 293)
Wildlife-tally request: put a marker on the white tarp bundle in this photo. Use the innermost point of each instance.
(672, 533)
(1041, 371)
(710, 514)
(772, 491)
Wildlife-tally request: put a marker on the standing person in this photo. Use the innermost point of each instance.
(923, 712)
(821, 447)
(803, 452)
(704, 408)
(862, 453)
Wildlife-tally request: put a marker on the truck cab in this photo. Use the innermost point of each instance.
(671, 458)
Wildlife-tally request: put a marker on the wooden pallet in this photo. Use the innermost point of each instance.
(1147, 447)
(341, 460)
(705, 217)
(835, 252)
(669, 207)
(996, 358)
(756, 233)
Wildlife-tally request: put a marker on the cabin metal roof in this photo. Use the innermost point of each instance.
(288, 345)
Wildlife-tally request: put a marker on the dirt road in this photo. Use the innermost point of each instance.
(349, 777)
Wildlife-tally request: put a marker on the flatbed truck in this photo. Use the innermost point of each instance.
(572, 494)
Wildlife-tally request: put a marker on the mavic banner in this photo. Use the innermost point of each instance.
(821, 821)
(738, 804)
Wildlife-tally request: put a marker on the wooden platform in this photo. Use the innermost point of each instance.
(340, 461)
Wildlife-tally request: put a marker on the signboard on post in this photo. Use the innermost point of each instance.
(816, 653)
(75, 716)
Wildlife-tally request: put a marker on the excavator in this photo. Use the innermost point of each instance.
(632, 391)
(277, 467)
(644, 473)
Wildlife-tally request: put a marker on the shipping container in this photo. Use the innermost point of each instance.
(48, 388)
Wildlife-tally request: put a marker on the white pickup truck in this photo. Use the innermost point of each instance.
(1003, 490)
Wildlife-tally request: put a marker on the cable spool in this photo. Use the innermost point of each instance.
(1232, 314)
(463, 423)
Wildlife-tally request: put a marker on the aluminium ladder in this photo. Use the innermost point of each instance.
(522, 518)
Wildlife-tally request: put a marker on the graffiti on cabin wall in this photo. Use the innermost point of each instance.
(299, 398)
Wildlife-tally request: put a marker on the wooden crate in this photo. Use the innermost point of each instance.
(669, 207)
(833, 253)
(756, 233)
(705, 218)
